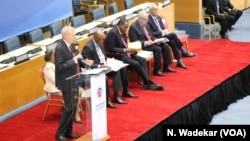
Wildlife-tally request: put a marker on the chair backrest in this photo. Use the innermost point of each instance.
(55, 28)
(113, 8)
(128, 4)
(77, 8)
(11, 44)
(35, 35)
(98, 13)
(76, 3)
(78, 21)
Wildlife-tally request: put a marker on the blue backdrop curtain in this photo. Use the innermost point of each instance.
(21, 16)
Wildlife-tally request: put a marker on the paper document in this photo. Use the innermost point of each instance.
(145, 54)
(135, 45)
(115, 64)
(161, 40)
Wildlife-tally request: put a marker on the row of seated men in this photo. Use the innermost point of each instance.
(145, 29)
(224, 12)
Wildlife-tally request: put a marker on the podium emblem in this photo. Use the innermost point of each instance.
(99, 92)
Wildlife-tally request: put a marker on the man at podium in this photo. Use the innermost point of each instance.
(94, 50)
(66, 65)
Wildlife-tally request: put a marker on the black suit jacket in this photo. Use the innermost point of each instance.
(226, 4)
(211, 8)
(90, 52)
(114, 41)
(136, 33)
(153, 29)
(64, 66)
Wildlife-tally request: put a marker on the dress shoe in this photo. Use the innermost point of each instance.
(111, 105)
(129, 94)
(159, 73)
(61, 138)
(168, 69)
(72, 135)
(77, 121)
(189, 54)
(224, 37)
(119, 100)
(181, 65)
(152, 87)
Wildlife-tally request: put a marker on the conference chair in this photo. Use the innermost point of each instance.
(209, 24)
(55, 29)
(210, 28)
(128, 4)
(55, 99)
(113, 8)
(35, 35)
(95, 3)
(181, 34)
(79, 8)
(78, 21)
(11, 44)
(98, 13)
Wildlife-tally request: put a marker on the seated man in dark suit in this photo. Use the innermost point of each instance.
(94, 50)
(116, 42)
(157, 29)
(230, 9)
(138, 32)
(221, 16)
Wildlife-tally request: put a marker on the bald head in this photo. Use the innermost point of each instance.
(68, 34)
(99, 36)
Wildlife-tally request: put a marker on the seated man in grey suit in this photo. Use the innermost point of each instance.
(94, 50)
(161, 52)
(157, 29)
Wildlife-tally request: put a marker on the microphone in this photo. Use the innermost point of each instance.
(81, 61)
(75, 49)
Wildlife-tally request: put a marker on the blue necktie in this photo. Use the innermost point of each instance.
(157, 23)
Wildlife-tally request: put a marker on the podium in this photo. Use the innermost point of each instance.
(94, 121)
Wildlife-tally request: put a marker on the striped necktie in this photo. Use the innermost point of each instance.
(157, 23)
(146, 32)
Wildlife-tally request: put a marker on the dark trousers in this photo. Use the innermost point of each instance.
(223, 23)
(70, 103)
(237, 14)
(157, 50)
(139, 64)
(165, 53)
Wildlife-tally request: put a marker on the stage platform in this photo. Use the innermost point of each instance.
(216, 77)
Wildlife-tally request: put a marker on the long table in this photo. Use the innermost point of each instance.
(20, 84)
